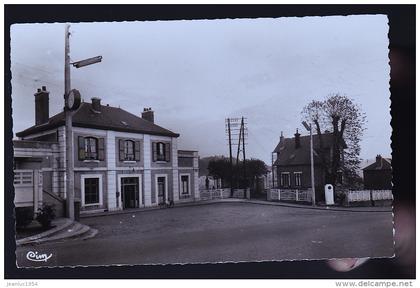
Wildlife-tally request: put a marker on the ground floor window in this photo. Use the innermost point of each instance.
(298, 179)
(91, 189)
(185, 185)
(285, 179)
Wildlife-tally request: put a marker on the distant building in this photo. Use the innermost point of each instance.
(378, 175)
(121, 160)
(292, 162)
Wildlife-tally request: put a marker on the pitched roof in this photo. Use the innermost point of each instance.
(110, 118)
(380, 164)
(288, 154)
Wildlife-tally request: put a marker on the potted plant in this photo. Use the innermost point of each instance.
(45, 215)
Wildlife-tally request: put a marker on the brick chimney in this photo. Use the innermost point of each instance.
(297, 139)
(281, 138)
(148, 115)
(42, 111)
(96, 104)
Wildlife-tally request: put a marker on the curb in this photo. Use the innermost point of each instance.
(60, 233)
(34, 238)
(237, 200)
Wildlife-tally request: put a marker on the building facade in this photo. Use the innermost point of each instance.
(291, 167)
(378, 175)
(121, 160)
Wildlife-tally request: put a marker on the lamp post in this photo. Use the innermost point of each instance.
(309, 128)
(71, 103)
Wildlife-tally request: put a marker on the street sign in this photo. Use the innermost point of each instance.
(87, 62)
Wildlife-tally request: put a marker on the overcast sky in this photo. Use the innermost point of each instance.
(194, 74)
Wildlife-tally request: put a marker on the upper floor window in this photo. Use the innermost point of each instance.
(161, 151)
(129, 150)
(91, 148)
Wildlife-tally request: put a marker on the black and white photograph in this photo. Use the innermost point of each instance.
(202, 141)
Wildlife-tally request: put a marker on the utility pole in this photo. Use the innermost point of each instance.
(309, 128)
(230, 158)
(312, 166)
(69, 130)
(243, 152)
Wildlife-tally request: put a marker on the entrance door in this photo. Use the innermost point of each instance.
(161, 190)
(130, 192)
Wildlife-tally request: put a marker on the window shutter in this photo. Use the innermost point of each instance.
(81, 147)
(167, 152)
(137, 150)
(121, 149)
(101, 149)
(154, 151)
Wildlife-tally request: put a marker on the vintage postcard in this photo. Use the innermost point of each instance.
(202, 141)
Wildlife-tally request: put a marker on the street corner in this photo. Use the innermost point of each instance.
(33, 256)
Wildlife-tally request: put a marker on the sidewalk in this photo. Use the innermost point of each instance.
(236, 200)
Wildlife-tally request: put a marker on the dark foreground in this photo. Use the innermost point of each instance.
(222, 232)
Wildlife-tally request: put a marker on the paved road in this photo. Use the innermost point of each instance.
(223, 232)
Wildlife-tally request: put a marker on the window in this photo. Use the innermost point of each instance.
(129, 150)
(91, 148)
(91, 189)
(298, 178)
(161, 151)
(285, 179)
(185, 184)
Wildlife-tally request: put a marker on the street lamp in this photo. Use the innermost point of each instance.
(72, 102)
(309, 128)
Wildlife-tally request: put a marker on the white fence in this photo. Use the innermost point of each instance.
(28, 188)
(368, 195)
(290, 195)
(214, 194)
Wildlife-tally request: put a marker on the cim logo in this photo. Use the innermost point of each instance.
(36, 257)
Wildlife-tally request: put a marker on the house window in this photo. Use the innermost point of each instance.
(185, 184)
(298, 179)
(91, 189)
(128, 150)
(91, 148)
(285, 179)
(161, 151)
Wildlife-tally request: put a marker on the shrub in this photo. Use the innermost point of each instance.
(24, 216)
(45, 215)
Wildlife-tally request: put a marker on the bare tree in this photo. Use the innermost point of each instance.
(346, 120)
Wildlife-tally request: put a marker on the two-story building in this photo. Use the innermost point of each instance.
(121, 160)
(292, 162)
